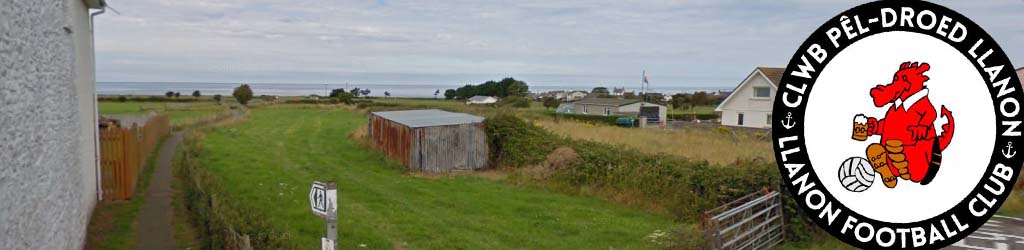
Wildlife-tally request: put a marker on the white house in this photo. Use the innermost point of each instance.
(750, 104)
(482, 100)
(49, 178)
(575, 95)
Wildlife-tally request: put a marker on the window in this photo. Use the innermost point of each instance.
(607, 111)
(762, 92)
(584, 109)
(769, 120)
(739, 119)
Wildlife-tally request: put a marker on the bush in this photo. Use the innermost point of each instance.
(515, 102)
(242, 94)
(143, 99)
(122, 99)
(683, 187)
(596, 119)
(691, 117)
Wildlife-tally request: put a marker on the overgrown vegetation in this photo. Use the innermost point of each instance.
(676, 185)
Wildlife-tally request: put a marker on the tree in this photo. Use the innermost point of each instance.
(700, 99)
(550, 102)
(630, 95)
(169, 94)
(501, 89)
(600, 92)
(217, 98)
(177, 94)
(336, 92)
(355, 92)
(243, 94)
(365, 93)
(388, 94)
(449, 94)
(679, 100)
(196, 94)
(438, 92)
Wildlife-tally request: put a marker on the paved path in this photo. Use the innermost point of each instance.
(1000, 232)
(154, 229)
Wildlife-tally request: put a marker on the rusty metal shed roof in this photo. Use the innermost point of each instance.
(428, 118)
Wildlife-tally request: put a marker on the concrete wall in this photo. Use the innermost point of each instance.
(755, 110)
(47, 157)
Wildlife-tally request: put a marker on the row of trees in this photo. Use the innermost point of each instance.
(501, 89)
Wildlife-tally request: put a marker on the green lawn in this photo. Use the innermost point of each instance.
(178, 113)
(268, 163)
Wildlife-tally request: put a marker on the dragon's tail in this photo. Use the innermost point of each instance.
(947, 129)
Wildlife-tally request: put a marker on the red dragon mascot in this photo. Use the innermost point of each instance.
(910, 148)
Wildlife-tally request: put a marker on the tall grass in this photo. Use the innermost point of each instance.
(719, 146)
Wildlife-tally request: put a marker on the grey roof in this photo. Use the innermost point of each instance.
(607, 101)
(478, 98)
(428, 117)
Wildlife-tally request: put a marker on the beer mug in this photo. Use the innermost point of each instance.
(860, 127)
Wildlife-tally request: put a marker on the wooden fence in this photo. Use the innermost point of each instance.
(123, 151)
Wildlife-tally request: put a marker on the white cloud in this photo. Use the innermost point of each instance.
(679, 42)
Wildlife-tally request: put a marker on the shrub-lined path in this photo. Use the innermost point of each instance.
(266, 166)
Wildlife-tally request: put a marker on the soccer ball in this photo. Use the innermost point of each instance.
(856, 174)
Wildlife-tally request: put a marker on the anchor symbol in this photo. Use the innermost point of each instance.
(788, 124)
(1008, 152)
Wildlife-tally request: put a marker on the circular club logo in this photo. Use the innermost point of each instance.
(898, 125)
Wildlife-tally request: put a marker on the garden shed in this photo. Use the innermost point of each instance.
(430, 140)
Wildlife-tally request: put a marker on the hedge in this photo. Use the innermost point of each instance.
(598, 119)
(685, 187)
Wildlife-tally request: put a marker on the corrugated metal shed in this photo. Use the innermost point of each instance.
(431, 140)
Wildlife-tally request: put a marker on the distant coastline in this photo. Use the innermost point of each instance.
(303, 89)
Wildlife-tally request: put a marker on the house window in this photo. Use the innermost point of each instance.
(762, 92)
(584, 109)
(739, 119)
(769, 120)
(607, 111)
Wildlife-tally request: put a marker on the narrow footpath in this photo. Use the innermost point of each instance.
(154, 228)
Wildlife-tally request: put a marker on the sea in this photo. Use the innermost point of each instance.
(304, 89)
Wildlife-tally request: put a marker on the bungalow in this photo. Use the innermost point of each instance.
(575, 95)
(750, 103)
(482, 100)
(614, 106)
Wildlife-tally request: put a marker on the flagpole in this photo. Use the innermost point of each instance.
(643, 94)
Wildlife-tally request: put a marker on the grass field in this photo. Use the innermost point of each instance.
(178, 113)
(268, 162)
(713, 145)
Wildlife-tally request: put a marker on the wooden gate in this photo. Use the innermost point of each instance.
(751, 222)
(123, 152)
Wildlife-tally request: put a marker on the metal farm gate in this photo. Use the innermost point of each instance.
(751, 222)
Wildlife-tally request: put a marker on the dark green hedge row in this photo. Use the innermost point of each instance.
(690, 117)
(597, 119)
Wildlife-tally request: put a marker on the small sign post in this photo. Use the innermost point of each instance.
(323, 200)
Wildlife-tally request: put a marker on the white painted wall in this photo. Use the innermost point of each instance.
(755, 110)
(48, 166)
(635, 108)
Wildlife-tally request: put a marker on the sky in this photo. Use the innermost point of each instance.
(697, 43)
